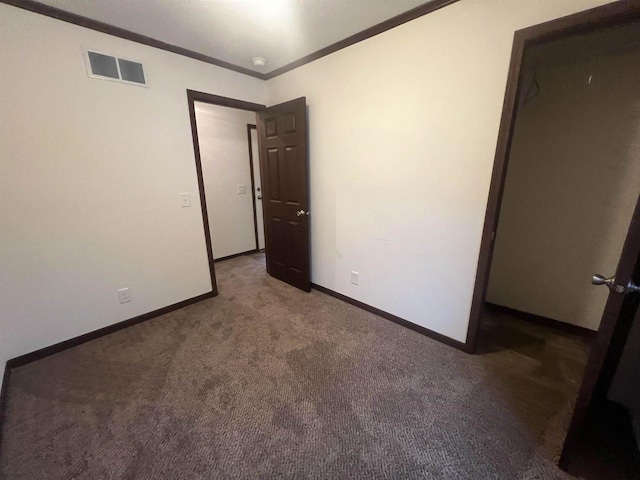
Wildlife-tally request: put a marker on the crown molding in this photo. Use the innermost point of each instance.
(59, 14)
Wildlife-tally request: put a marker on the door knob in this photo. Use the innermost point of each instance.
(259, 197)
(611, 284)
(300, 213)
(598, 279)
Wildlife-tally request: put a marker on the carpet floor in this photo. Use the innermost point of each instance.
(265, 381)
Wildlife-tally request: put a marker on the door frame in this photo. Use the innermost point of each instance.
(609, 15)
(192, 97)
(251, 126)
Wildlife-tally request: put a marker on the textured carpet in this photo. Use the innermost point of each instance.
(265, 381)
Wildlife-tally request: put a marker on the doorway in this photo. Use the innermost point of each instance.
(572, 182)
(194, 97)
(228, 173)
(279, 193)
(568, 208)
(227, 162)
(256, 185)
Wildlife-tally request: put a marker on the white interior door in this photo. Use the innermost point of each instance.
(258, 186)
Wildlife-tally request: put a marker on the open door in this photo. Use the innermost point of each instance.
(284, 166)
(619, 313)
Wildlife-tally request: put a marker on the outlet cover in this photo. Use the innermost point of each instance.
(124, 295)
(355, 278)
(242, 189)
(185, 200)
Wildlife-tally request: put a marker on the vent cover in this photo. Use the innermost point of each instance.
(108, 67)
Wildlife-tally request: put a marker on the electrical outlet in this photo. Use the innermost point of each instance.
(355, 278)
(124, 295)
(185, 200)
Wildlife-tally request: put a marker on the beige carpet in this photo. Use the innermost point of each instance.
(265, 381)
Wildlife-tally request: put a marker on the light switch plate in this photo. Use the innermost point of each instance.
(124, 295)
(242, 189)
(185, 199)
(355, 278)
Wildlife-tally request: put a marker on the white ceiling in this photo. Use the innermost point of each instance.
(235, 31)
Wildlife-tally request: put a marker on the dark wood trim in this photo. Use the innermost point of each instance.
(236, 255)
(101, 332)
(253, 184)
(53, 12)
(3, 398)
(63, 15)
(382, 27)
(203, 201)
(540, 320)
(496, 189)
(195, 96)
(192, 97)
(612, 14)
(388, 316)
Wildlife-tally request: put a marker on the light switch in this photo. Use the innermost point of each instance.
(185, 199)
(124, 295)
(242, 189)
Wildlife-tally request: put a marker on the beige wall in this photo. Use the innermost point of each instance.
(224, 152)
(572, 184)
(90, 177)
(403, 130)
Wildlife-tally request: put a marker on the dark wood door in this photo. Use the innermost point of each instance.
(619, 313)
(284, 167)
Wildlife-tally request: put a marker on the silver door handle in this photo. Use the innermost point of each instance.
(259, 197)
(611, 284)
(598, 279)
(300, 213)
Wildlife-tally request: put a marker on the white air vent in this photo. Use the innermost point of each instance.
(109, 67)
